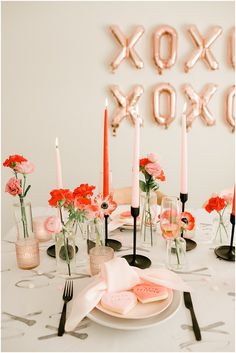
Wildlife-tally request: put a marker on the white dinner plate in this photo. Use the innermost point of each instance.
(128, 324)
(142, 311)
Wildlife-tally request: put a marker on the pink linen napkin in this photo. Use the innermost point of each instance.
(116, 275)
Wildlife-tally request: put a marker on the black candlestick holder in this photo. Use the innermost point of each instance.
(190, 244)
(139, 261)
(112, 243)
(227, 252)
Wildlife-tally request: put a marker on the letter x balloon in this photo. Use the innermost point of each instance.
(127, 44)
(126, 105)
(202, 50)
(198, 104)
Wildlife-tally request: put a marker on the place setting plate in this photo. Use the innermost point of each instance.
(142, 311)
(143, 320)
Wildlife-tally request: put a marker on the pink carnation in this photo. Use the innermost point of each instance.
(13, 187)
(53, 225)
(153, 169)
(153, 157)
(227, 196)
(24, 167)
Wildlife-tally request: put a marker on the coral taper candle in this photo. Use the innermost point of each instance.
(105, 154)
(135, 172)
(184, 155)
(233, 204)
(58, 166)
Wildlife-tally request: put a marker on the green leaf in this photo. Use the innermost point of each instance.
(142, 185)
(28, 187)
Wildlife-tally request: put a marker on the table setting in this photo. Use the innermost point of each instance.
(118, 214)
(90, 274)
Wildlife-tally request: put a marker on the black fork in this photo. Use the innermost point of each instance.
(67, 296)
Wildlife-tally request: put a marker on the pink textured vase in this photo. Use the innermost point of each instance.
(27, 253)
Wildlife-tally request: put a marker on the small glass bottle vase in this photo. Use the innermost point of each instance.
(148, 235)
(27, 247)
(176, 254)
(221, 225)
(65, 252)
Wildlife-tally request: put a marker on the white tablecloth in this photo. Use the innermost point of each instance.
(213, 298)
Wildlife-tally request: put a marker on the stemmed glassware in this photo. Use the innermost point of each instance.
(170, 223)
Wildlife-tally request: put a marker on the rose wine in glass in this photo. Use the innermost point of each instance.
(170, 217)
(170, 222)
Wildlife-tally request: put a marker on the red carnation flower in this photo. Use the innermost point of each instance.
(143, 162)
(61, 197)
(82, 203)
(84, 190)
(12, 161)
(215, 204)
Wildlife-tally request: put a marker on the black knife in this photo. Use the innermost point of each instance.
(189, 305)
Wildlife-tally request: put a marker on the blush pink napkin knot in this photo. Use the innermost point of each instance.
(116, 275)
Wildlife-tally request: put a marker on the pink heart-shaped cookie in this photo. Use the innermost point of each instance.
(148, 292)
(119, 302)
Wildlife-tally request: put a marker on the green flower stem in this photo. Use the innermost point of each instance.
(98, 234)
(65, 242)
(23, 217)
(221, 225)
(177, 250)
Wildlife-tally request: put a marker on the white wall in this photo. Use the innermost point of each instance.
(55, 74)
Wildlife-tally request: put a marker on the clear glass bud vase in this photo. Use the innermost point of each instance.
(221, 225)
(176, 254)
(82, 242)
(65, 252)
(27, 246)
(96, 232)
(148, 235)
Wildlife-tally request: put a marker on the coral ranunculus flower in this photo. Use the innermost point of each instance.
(61, 197)
(84, 190)
(215, 204)
(187, 221)
(12, 161)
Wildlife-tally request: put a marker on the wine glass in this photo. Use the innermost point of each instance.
(170, 223)
(170, 217)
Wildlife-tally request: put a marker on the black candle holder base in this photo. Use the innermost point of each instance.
(51, 251)
(225, 252)
(114, 244)
(139, 261)
(190, 244)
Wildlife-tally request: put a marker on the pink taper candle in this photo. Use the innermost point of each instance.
(135, 172)
(184, 155)
(58, 166)
(105, 154)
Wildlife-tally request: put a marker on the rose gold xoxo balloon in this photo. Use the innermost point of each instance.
(126, 105)
(202, 45)
(164, 119)
(127, 43)
(172, 36)
(198, 104)
(231, 47)
(230, 108)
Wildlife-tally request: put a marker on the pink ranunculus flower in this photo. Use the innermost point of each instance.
(153, 157)
(24, 167)
(153, 169)
(13, 186)
(53, 225)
